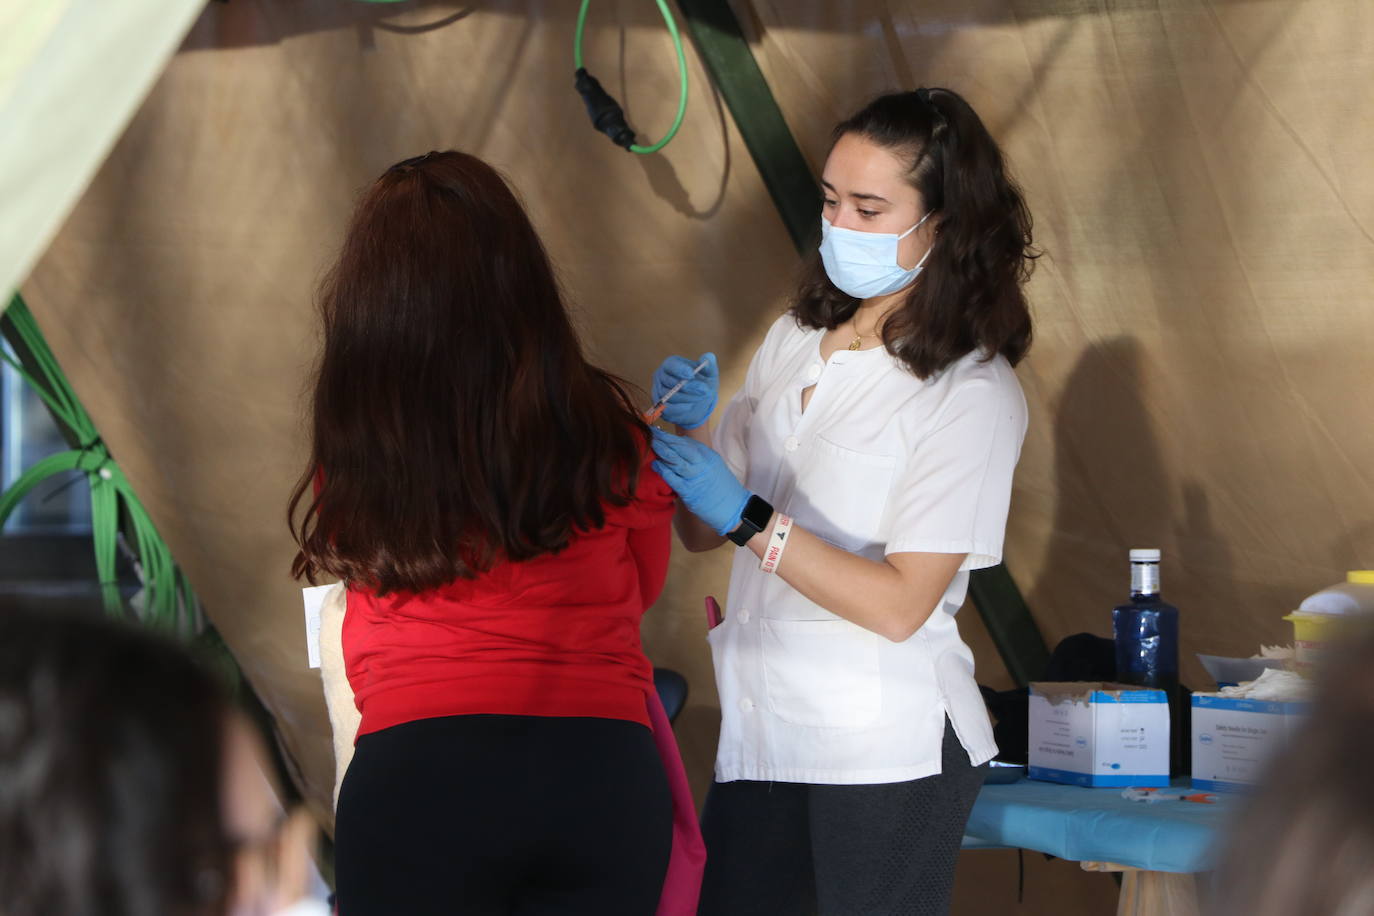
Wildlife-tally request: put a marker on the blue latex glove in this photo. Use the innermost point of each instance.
(701, 480)
(692, 406)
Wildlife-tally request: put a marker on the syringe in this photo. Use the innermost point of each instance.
(651, 416)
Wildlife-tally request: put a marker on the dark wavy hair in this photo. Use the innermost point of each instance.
(969, 294)
(111, 763)
(456, 423)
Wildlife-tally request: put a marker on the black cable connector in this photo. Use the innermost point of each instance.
(605, 112)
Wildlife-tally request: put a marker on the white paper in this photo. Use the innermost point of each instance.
(1237, 670)
(314, 602)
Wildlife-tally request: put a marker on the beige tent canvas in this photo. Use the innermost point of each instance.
(1200, 380)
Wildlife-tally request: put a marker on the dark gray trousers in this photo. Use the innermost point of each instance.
(794, 849)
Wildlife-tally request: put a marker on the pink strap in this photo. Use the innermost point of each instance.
(682, 883)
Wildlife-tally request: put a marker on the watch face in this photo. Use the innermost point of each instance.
(755, 516)
(756, 511)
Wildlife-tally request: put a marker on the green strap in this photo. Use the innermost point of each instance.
(795, 195)
(168, 598)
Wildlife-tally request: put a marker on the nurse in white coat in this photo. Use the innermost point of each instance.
(864, 469)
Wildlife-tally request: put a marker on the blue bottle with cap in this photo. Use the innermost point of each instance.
(1145, 631)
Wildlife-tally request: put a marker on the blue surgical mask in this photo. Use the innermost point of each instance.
(864, 264)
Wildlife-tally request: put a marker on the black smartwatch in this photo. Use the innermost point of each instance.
(752, 520)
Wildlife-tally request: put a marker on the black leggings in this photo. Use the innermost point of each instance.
(866, 850)
(488, 815)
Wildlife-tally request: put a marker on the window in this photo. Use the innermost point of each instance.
(60, 504)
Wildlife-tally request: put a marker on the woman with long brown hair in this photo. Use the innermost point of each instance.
(485, 493)
(864, 469)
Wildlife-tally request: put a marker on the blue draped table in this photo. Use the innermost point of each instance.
(1158, 845)
(1098, 825)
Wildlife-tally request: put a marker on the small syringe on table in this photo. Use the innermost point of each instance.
(653, 413)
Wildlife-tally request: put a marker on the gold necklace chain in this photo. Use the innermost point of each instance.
(858, 338)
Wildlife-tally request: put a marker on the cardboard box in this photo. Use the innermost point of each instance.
(1096, 734)
(1234, 738)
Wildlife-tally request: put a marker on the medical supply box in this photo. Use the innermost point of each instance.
(1099, 734)
(1234, 738)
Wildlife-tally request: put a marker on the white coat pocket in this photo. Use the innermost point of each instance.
(841, 494)
(822, 672)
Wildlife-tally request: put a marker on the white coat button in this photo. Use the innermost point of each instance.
(814, 372)
(743, 616)
(746, 705)
(791, 443)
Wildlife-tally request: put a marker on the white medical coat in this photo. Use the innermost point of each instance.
(880, 462)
